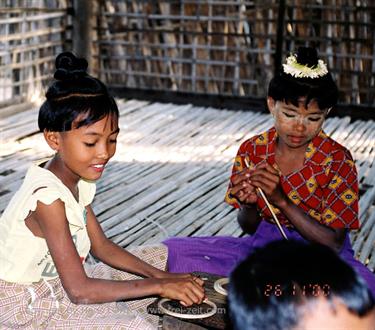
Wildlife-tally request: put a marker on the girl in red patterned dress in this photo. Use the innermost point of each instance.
(310, 179)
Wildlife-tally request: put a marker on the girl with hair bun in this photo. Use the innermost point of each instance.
(309, 180)
(48, 228)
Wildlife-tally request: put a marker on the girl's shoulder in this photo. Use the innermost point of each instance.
(331, 148)
(43, 185)
(38, 185)
(261, 140)
(40, 179)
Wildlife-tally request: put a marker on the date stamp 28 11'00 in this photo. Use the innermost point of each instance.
(309, 289)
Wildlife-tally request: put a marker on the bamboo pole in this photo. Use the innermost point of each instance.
(83, 29)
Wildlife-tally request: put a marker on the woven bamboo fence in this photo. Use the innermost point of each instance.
(31, 34)
(344, 31)
(188, 46)
(214, 47)
(229, 47)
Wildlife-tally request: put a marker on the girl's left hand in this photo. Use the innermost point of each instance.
(267, 178)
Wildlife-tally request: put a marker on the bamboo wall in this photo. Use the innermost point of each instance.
(211, 47)
(344, 31)
(187, 46)
(228, 47)
(32, 32)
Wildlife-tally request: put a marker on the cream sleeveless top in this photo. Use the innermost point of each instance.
(25, 258)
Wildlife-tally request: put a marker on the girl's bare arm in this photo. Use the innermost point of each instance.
(112, 254)
(311, 229)
(267, 178)
(82, 289)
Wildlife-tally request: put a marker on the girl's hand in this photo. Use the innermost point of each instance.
(267, 178)
(188, 289)
(242, 188)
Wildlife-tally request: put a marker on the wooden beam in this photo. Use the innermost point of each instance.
(279, 37)
(82, 29)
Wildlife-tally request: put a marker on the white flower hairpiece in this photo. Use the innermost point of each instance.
(298, 70)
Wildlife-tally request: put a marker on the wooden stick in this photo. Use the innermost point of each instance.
(262, 194)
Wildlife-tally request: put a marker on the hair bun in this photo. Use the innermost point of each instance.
(70, 67)
(71, 78)
(307, 56)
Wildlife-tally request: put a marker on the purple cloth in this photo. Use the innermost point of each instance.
(220, 254)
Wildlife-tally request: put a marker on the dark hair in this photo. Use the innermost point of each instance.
(289, 89)
(73, 93)
(270, 288)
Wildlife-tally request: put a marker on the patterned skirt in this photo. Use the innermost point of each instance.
(45, 304)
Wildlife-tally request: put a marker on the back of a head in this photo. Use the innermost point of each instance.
(271, 288)
(304, 75)
(74, 94)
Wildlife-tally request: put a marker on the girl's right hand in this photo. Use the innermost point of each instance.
(242, 188)
(188, 290)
